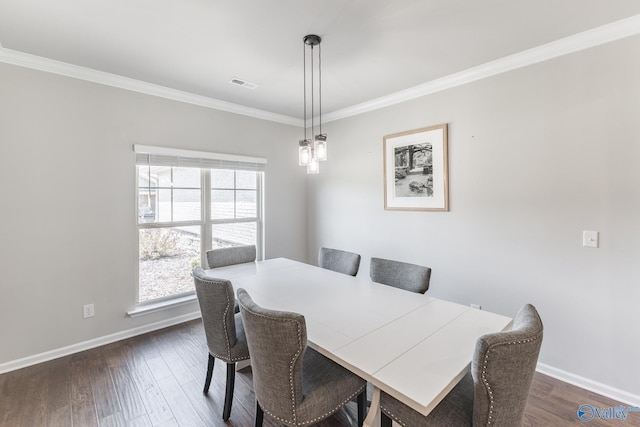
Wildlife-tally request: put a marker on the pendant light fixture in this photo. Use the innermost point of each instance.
(312, 151)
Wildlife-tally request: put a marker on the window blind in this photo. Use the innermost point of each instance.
(161, 156)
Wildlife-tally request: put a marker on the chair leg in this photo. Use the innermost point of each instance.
(362, 402)
(228, 396)
(207, 381)
(385, 421)
(259, 415)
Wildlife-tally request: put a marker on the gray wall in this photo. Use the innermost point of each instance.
(68, 221)
(536, 156)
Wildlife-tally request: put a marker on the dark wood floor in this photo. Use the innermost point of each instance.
(156, 380)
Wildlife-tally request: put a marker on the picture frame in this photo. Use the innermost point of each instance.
(416, 170)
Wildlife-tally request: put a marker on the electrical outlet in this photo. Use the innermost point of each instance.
(88, 310)
(476, 306)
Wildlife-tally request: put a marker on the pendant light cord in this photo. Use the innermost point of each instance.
(304, 89)
(312, 110)
(320, 85)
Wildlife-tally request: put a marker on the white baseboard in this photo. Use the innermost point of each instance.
(611, 392)
(96, 342)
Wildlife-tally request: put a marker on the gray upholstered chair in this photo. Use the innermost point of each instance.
(294, 384)
(224, 330)
(410, 277)
(222, 257)
(341, 261)
(496, 389)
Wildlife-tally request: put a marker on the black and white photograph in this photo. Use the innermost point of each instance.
(415, 164)
(414, 170)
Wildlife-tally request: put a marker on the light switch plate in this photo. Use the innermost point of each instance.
(590, 239)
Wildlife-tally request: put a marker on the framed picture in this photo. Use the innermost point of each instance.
(416, 173)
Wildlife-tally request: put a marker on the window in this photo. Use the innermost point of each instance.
(189, 202)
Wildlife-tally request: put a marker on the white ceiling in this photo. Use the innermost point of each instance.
(370, 48)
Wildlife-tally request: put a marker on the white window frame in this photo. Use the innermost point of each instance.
(205, 161)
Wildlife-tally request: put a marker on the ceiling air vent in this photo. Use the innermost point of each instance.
(242, 83)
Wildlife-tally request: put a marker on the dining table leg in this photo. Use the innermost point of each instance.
(373, 417)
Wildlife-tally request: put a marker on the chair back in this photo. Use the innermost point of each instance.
(341, 261)
(232, 255)
(277, 344)
(503, 368)
(216, 299)
(410, 277)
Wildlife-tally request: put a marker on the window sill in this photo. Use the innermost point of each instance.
(143, 309)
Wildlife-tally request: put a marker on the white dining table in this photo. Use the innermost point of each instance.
(412, 346)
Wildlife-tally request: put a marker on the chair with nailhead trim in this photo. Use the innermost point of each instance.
(495, 392)
(341, 261)
(223, 329)
(293, 384)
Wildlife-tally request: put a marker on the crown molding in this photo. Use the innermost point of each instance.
(600, 35)
(607, 33)
(69, 70)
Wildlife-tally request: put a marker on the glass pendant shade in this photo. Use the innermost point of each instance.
(313, 167)
(304, 152)
(321, 147)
